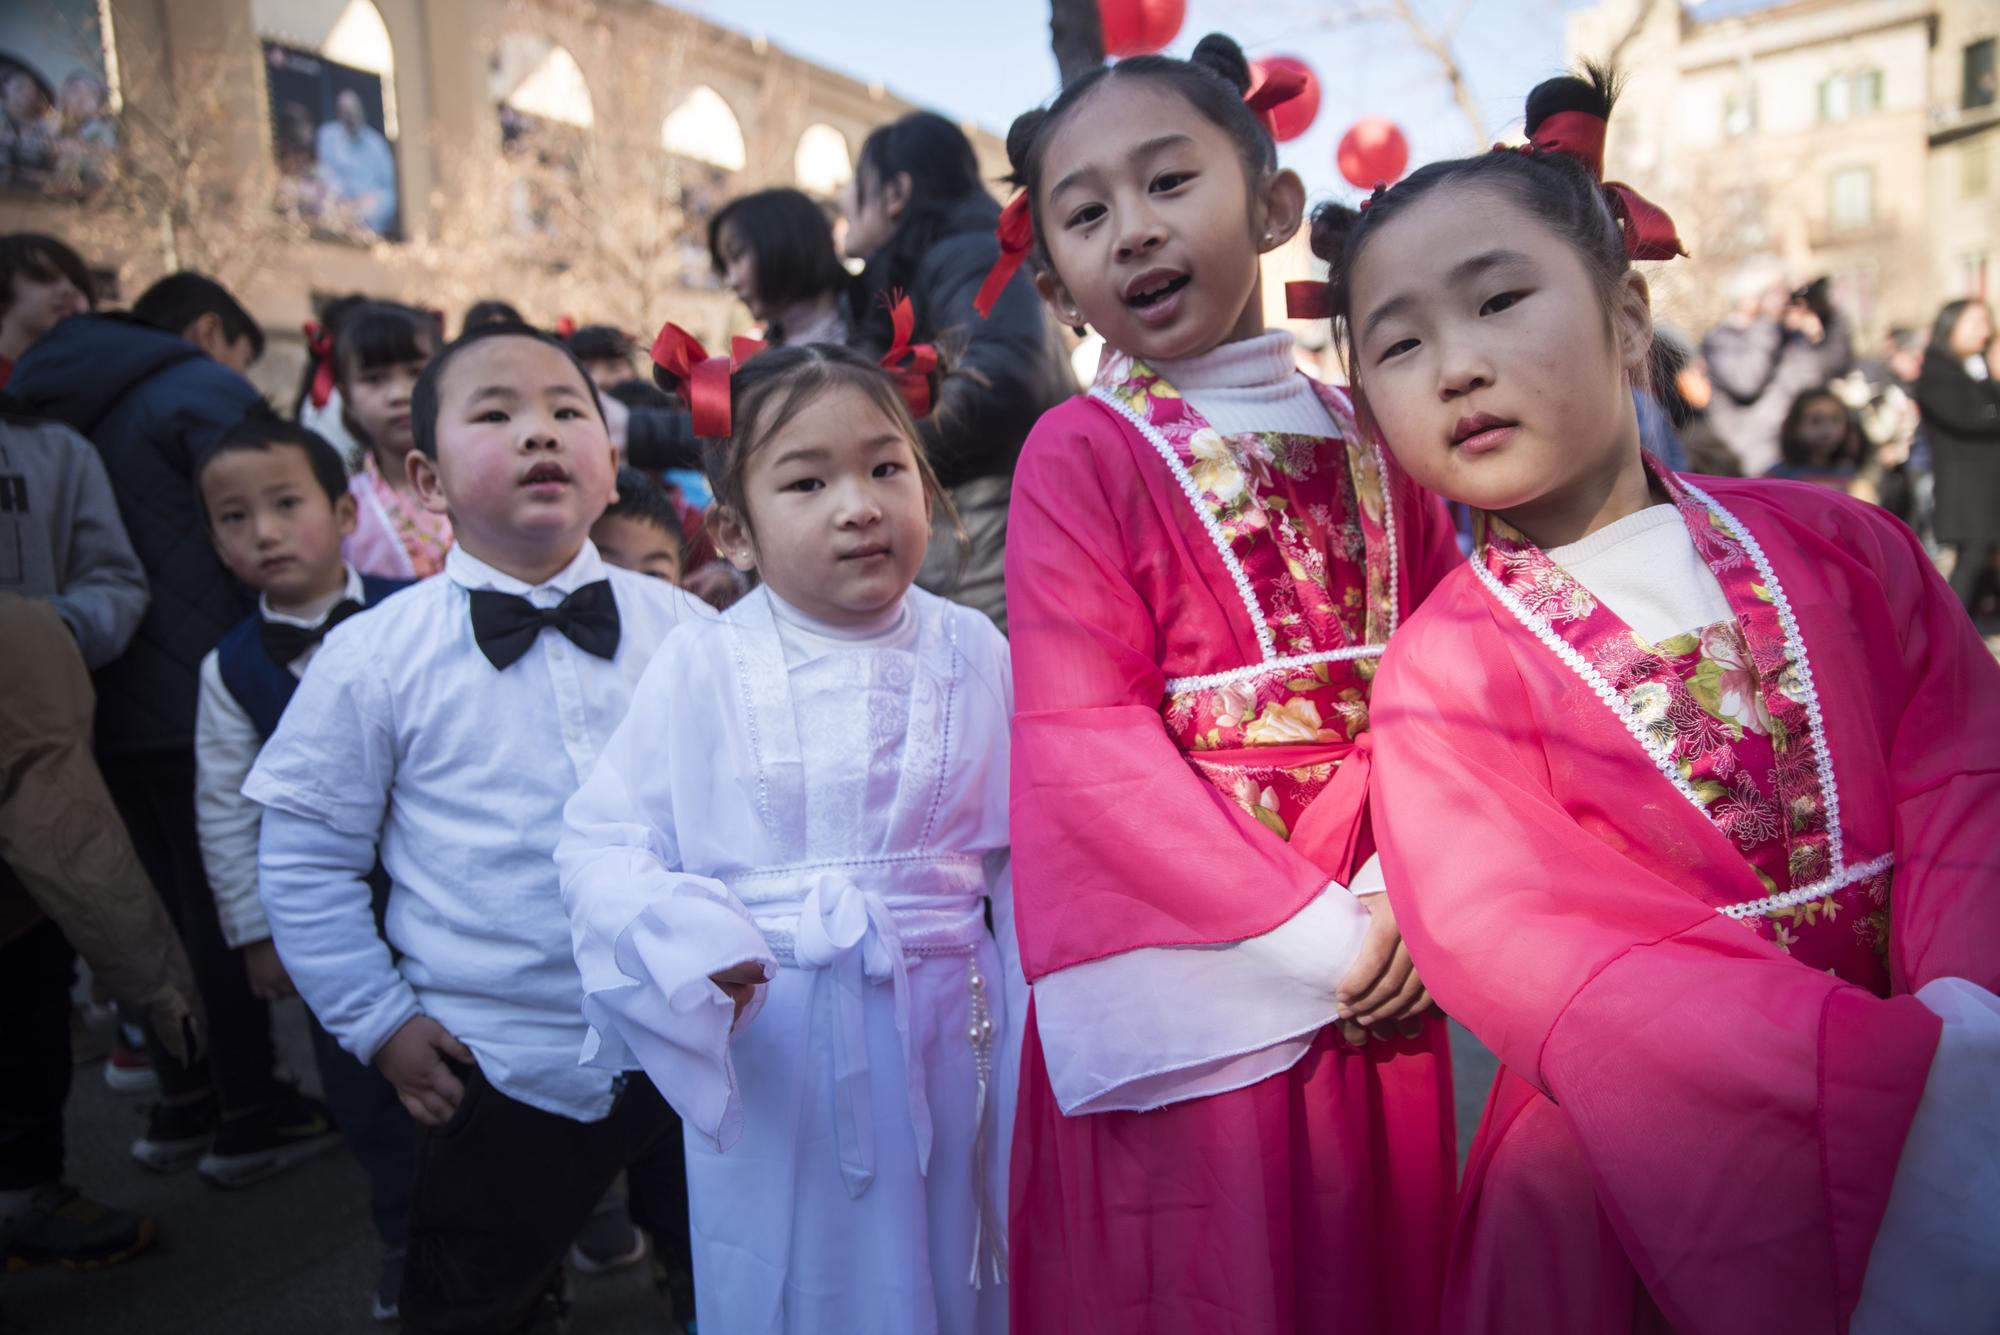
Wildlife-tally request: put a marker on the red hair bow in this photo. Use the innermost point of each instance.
(1649, 232)
(1272, 89)
(565, 325)
(319, 343)
(913, 379)
(704, 380)
(1308, 300)
(1017, 237)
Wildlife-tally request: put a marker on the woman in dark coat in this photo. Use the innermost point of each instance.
(923, 223)
(1960, 401)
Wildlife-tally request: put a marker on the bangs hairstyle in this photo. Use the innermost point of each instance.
(426, 399)
(1553, 188)
(645, 501)
(266, 431)
(1213, 80)
(382, 333)
(775, 386)
(44, 259)
(790, 241)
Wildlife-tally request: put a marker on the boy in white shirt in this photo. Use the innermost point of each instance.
(448, 732)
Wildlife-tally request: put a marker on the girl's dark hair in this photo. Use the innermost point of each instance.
(427, 398)
(489, 312)
(775, 386)
(330, 316)
(601, 342)
(1947, 323)
(1795, 451)
(382, 333)
(1213, 79)
(944, 173)
(789, 238)
(1555, 188)
(42, 258)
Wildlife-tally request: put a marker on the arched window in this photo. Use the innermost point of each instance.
(822, 164)
(703, 127)
(535, 76)
(349, 31)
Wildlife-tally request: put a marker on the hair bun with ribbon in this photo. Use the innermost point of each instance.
(682, 365)
(319, 344)
(1568, 116)
(909, 365)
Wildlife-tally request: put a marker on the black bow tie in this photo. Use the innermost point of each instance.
(284, 642)
(506, 624)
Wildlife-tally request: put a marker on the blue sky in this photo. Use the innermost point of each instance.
(990, 60)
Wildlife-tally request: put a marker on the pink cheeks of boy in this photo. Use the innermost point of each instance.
(377, 398)
(523, 465)
(838, 519)
(273, 525)
(1154, 226)
(1489, 363)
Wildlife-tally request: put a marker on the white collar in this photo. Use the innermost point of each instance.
(1262, 362)
(315, 612)
(887, 626)
(469, 572)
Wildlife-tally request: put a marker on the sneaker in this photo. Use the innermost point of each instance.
(176, 1134)
(130, 1070)
(252, 1147)
(63, 1227)
(388, 1285)
(608, 1242)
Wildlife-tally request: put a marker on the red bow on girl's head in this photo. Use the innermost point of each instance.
(914, 379)
(1017, 237)
(1271, 90)
(1649, 232)
(565, 325)
(319, 342)
(703, 380)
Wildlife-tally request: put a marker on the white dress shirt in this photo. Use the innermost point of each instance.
(225, 747)
(405, 737)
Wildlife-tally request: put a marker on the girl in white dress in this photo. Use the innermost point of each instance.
(780, 873)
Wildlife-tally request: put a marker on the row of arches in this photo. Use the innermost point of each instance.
(540, 78)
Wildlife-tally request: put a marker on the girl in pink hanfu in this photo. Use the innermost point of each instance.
(1205, 561)
(379, 352)
(1721, 765)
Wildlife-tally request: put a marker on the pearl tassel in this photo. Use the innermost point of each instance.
(989, 1244)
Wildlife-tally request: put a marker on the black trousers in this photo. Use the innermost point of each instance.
(500, 1193)
(378, 1129)
(35, 974)
(155, 795)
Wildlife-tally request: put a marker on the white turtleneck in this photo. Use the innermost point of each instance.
(815, 321)
(804, 635)
(1250, 385)
(1644, 567)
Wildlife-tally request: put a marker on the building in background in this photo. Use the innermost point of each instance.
(1850, 138)
(562, 154)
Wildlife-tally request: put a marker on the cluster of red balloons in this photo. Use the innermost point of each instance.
(1373, 152)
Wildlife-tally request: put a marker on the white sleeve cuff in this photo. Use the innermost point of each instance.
(1146, 1028)
(1935, 1267)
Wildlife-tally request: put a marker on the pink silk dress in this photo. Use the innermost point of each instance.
(1679, 933)
(1195, 621)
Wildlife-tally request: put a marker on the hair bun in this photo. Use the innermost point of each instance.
(1219, 52)
(1593, 92)
(1332, 224)
(1021, 138)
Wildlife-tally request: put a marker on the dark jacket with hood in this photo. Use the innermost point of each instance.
(154, 405)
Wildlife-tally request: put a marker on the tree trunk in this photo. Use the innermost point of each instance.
(1076, 36)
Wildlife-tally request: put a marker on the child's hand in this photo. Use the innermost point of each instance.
(413, 1061)
(268, 979)
(1382, 988)
(740, 983)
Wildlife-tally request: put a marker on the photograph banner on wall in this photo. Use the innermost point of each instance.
(336, 167)
(57, 132)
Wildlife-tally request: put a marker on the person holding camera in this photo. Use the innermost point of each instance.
(1775, 344)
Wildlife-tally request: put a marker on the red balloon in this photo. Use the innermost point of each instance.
(1373, 152)
(1139, 27)
(1291, 119)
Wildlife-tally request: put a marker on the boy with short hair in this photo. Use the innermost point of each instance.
(641, 531)
(275, 497)
(448, 732)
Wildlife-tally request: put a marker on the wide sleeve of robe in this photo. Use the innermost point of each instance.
(647, 935)
(1740, 1116)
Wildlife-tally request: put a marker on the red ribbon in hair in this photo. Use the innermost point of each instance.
(914, 378)
(565, 325)
(704, 380)
(1308, 300)
(1017, 237)
(319, 342)
(1271, 90)
(1649, 232)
